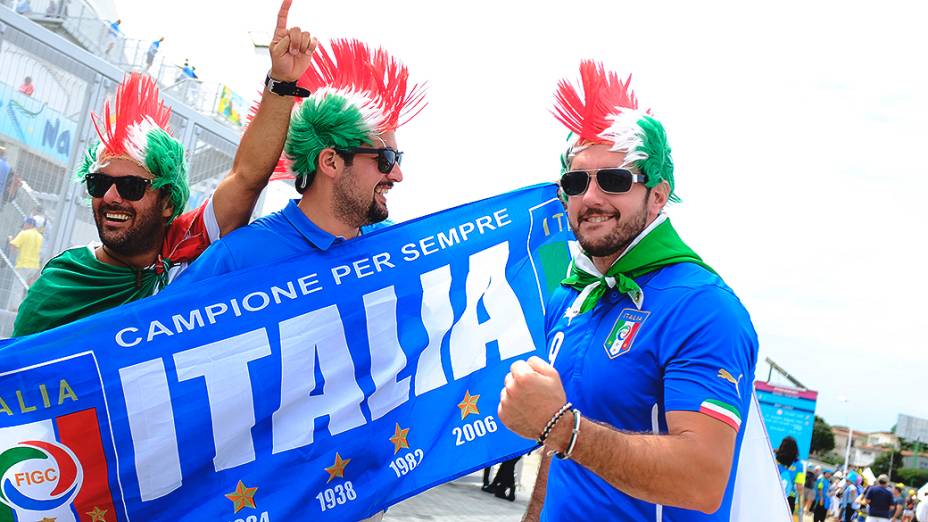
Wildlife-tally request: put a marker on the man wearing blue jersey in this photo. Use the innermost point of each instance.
(653, 355)
(342, 147)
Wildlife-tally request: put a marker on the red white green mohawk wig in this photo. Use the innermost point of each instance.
(606, 112)
(358, 95)
(136, 128)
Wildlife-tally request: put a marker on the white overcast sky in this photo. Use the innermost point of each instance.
(795, 127)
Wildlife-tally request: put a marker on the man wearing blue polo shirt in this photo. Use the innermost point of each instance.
(653, 354)
(342, 146)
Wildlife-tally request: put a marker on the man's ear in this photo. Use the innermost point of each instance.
(329, 163)
(167, 209)
(659, 196)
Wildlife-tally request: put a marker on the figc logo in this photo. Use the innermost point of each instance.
(39, 476)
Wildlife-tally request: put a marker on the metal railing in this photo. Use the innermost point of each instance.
(79, 21)
(46, 129)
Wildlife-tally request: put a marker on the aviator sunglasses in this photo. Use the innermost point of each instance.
(386, 157)
(130, 188)
(610, 181)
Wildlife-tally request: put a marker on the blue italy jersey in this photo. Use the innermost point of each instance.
(788, 479)
(274, 238)
(691, 347)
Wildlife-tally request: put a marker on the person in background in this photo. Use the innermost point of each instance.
(821, 500)
(27, 87)
(879, 501)
(38, 215)
(848, 502)
(24, 7)
(5, 170)
(837, 487)
(29, 244)
(504, 483)
(787, 457)
(898, 501)
(152, 52)
(908, 510)
(112, 36)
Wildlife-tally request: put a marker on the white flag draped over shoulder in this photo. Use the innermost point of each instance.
(758, 494)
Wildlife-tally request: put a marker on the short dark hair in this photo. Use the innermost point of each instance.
(788, 452)
(309, 177)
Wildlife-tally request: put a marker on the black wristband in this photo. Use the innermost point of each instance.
(285, 88)
(550, 426)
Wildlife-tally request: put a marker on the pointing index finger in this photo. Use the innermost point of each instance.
(282, 17)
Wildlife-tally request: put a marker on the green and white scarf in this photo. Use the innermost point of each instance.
(657, 246)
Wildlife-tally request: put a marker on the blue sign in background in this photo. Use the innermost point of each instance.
(31, 122)
(219, 376)
(787, 412)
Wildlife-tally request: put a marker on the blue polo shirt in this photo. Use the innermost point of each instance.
(273, 238)
(691, 347)
(821, 492)
(881, 502)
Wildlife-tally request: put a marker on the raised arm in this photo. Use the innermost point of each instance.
(260, 148)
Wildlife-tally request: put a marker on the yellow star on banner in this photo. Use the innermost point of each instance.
(97, 515)
(469, 404)
(242, 497)
(399, 439)
(53, 519)
(337, 469)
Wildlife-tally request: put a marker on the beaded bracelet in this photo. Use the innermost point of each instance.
(550, 425)
(573, 437)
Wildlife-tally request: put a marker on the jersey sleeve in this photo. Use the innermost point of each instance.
(191, 233)
(711, 369)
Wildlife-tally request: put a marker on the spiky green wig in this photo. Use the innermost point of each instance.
(607, 113)
(136, 128)
(358, 94)
(329, 121)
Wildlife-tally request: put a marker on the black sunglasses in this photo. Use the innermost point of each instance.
(386, 157)
(130, 188)
(610, 181)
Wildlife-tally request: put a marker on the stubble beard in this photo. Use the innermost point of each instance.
(139, 239)
(350, 206)
(617, 239)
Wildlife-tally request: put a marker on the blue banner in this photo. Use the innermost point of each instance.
(32, 123)
(323, 388)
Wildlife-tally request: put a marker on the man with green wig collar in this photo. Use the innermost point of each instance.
(137, 179)
(651, 355)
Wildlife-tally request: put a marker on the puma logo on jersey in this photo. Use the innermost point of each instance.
(724, 374)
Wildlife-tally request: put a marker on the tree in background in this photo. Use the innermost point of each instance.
(881, 465)
(823, 440)
(913, 477)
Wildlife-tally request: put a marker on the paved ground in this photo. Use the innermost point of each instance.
(458, 501)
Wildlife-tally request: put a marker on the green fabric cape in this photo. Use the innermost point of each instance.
(76, 284)
(659, 248)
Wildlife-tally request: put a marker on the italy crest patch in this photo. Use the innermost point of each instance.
(623, 332)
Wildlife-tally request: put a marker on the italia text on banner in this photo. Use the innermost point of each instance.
(323, 388)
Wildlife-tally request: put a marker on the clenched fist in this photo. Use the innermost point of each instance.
(532, 395)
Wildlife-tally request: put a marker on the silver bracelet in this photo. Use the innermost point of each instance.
(573, 437)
